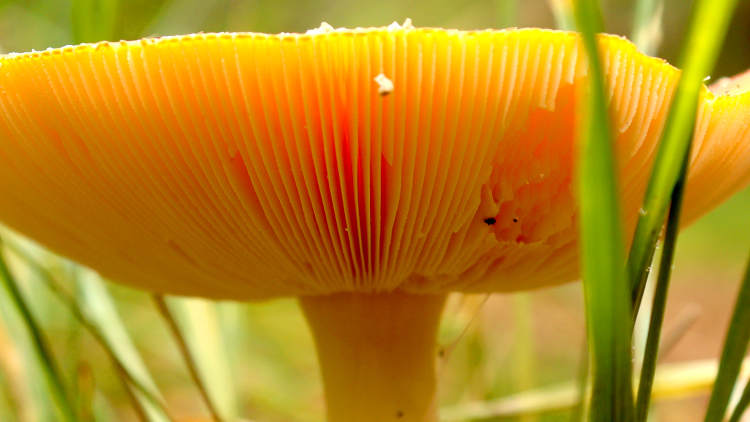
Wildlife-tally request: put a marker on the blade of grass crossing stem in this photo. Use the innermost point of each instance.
(201, 327)
(650, 355)
(732, 354)
(39, 350)
(100, 309)
(742, 404)
(604, 282)
(647, 28)
(188, 355)
(699, 54)
(95, 311)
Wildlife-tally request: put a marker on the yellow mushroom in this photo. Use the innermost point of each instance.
(369, 172)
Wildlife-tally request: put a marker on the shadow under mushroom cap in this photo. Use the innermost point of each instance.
(249, 166)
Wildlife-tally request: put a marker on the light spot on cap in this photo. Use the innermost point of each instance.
(385, 85)
(324, 27)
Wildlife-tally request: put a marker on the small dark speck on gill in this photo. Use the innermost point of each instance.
(400, 414)
(490, 221)
(515, 220)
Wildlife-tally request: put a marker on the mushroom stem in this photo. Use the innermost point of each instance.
(377, 354)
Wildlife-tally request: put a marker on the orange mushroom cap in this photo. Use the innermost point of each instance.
(250, 166)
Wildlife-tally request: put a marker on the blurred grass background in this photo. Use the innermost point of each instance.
(492, 346)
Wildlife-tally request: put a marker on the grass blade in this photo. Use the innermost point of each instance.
(647, 30)
(93, 20)
(742, 404)
(100, 309)
(673, 381)
(102, 322)
(201, 328)
(187, 355)
(40, 352)
(506, 12)
(699, 54)
(523, 345)
(563, 13)
(659, 305)
(604, 281)
(734, 349)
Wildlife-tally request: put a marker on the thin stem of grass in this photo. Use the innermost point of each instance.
(93, 20)
(659, 305)
(673, 382)
(647, 28)
(699, 54)
(562, 11)
(131, 380)
(604, 282)
(40, 350)
(742, 404)
(576, 413)
(187, 356)
(734, 349)
(506, 12)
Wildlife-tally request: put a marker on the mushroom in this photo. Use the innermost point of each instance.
(250, 166)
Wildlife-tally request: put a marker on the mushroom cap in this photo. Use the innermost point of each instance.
(249, 166)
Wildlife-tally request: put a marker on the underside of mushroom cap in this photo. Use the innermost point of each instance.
(249, 166)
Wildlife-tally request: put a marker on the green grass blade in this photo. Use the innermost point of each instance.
(699, 54)
(673, 381)
(735, 345)
(659, 305)
(201, 328)
(189, 356)
(506, 12)
(523, 346)
(604, 282)
(647, 30)
(40, 352)
(100, 310)
(93, 20)
(742, 404)
(189, 16)
(97, 314)
(563, 14)
(8, 407)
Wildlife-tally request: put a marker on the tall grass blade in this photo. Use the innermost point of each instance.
(673, 381)
(523, 346)
(562, 11)
(647, 27)
(95, 311)
(604, 282)
(659, 305)
(742, 404)
(699, 54)
(7, 403)
(189, 16)
(201, 327)
(732, 354)
(506, 12)
(39, 350)
(188, 355)
(100, 309)
(93, 20)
